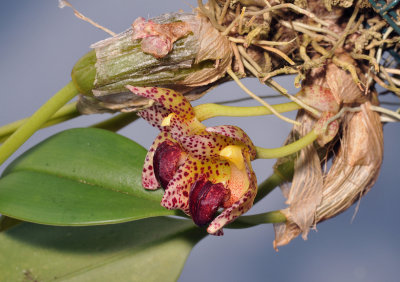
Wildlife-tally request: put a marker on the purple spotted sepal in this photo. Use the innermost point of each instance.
(205, 172)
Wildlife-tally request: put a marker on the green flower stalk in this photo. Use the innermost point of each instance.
(197, 58)
(37, 120)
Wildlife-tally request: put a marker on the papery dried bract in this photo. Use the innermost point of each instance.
(342, 84)
(354, 170)
(355, 166)
(319, 97)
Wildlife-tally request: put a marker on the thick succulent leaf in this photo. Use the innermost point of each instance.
(146, 250)
(79, 177)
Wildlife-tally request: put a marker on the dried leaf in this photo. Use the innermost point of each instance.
(357, 165)
(213, 47)
(305, 193)
(354, 170)
(314, 195)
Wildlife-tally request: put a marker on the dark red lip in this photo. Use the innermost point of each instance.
(167, 159)
(204, 200)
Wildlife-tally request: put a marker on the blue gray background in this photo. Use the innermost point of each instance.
(39, 45)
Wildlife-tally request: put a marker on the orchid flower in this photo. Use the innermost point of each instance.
(202, 169)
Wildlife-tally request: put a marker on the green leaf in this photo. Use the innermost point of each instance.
(146, 250)
(83, 176)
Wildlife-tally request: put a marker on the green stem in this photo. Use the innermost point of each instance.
(267, 186)
(65, 113)
(257, 219)
(263, 153)
(117, 122)
(206, 111)
(37, 120)
(255, 97)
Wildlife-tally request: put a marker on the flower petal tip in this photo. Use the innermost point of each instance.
(202, 170)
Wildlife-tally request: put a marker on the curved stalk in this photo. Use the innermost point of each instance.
(263, 153)
(117, 122)
(247, 221)
(67, 112)
(37, 120)
(255, 97)
(206, 111)
(267, 186)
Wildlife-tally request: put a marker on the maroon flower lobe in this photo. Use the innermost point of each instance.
(204, 200)
(167, 159)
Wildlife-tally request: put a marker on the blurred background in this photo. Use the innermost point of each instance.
(40, 43)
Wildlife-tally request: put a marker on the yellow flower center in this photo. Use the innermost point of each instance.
(167, 121)
(238, 182)
(233, 153)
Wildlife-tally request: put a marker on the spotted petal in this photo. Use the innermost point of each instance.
(154, 115)
(207, 144)
(171, 100)
(238, 208)
(176, 195)
(180, 127)
(149, 180)
(203, 147)
(236, 133)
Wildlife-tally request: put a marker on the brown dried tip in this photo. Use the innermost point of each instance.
(158, 39)
(315, 194)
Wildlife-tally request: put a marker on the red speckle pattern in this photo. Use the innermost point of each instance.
(201, 147)
(149, 180)
(154, 115)
(237, 134)
(325, 136)
(322, 99)
(179, 105)
(238, 208)
(180, 185)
